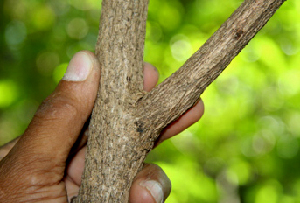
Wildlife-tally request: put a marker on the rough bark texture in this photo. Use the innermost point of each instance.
(126, 121)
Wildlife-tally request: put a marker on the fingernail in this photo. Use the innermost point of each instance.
(155, 190)
(79, 67)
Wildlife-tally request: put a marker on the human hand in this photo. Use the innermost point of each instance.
(46, 163)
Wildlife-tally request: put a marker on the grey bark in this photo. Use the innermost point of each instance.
(126, 121)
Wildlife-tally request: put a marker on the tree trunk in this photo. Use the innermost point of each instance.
(126, 121)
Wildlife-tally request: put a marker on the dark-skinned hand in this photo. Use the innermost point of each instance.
(45, 163)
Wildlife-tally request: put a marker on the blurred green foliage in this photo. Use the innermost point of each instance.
(246, 146)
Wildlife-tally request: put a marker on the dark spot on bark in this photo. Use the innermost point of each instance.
(140, 130)
(140, 99)
(238, 34)
(128, 78)
(139, 127)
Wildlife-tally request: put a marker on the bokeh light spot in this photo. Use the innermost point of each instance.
(15, 33)
(288, 82)
(181, 47)
(266, 194)
(264, 141)
(86, 4)
(154, 32)
(293, 123)
(60, 7)
(288, 47)
(8, 93)
(169, 16)
(46, 62)
(77, 28)
(269, 192)
(238, 173)
(43, 18)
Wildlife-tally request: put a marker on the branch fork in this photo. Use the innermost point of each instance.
(126, 121)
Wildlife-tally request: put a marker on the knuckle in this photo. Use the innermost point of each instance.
(57, 107)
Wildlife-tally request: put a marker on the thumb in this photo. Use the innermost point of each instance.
(57, 123)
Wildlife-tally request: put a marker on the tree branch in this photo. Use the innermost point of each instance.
(125, 121)
(182, 89)
(113, 157)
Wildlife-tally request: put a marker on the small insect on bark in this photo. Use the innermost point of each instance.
(238, 34)
(139, 127)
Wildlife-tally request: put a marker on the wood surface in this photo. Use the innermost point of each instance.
(126, 121)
